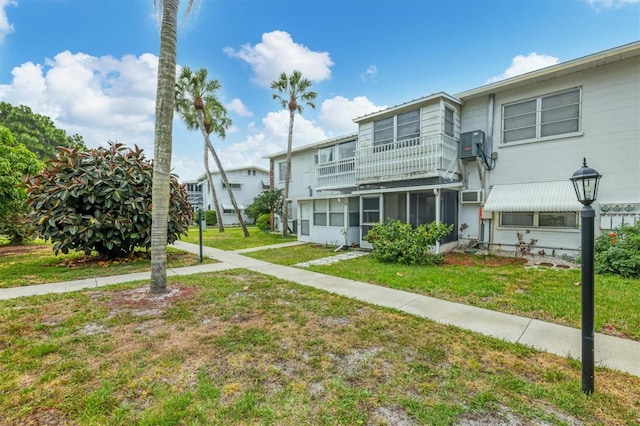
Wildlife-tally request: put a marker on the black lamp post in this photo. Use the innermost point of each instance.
(585, 181)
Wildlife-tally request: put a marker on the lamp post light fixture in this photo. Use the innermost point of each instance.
(585, 182)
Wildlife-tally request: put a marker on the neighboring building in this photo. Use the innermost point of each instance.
(492, 161)
(246, 182)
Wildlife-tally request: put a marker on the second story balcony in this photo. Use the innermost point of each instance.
(336, 174)
(414, 158)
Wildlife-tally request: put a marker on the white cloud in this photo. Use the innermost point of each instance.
(370, 74)
(237, 106)
(270, 138)
(6, 27)
(337, 114)
(101, 98)
(278, 53)
(524, 64)
(612, 4)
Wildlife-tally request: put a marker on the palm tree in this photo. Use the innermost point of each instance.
(199, 108)
(292, 92)
(165, 96)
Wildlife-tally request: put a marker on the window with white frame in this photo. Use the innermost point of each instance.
(233, 185)
(544, 116)
(539, 219)
(320, 213)
(403, 129)
(347, 150)
(336, 212)
(448, 121)
(325, 154)
(282, 169)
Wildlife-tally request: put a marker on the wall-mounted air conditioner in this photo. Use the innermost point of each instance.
(469, 144)
(471, 196)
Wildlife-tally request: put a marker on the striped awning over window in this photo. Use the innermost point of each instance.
(557, 196)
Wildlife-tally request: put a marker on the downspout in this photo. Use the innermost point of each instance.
(436, 192)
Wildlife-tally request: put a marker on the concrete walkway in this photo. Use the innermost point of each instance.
(612, 352)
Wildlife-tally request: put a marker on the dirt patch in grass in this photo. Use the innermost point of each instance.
(9, 250)
(465, 259)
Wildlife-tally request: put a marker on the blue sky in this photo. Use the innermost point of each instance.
(91, 65)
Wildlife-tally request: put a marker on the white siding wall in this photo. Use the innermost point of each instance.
(610, 140)
(251, 187)
(473, 117)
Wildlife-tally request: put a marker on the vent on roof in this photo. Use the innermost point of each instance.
(471, 143)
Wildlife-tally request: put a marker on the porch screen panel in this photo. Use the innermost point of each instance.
(422, 207)
(450, 213)
(395, 206)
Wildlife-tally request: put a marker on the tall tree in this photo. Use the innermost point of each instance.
(197, 104)
(37, 132)
(16, 162)
(165, 99)
(292, 92)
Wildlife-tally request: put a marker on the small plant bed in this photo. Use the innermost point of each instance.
(37, 264)
(233, 239)
(239, 348)
(294, 255)
(506, 284)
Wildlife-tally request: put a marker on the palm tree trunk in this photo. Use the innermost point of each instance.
(285, 204)
(216, 205)
(165, 98)
(200, 116)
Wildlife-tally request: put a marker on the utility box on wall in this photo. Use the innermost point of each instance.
(471, 143)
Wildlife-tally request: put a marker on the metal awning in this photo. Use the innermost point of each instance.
(229, 206)
(557, 196)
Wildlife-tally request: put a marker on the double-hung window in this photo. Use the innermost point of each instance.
(448, 121)
(403, 129)
(282, 169)
(549, 115)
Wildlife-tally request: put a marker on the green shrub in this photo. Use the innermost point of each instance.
(397, 242)
(264, 222)
(619, 252)
(101, 200)
(210, 217)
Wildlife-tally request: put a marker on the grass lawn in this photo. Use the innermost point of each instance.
(289, 256)
(495, 283)
(237, 348)
(233, 239)
(36, 264)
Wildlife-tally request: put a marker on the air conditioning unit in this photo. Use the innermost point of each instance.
(471, 196)
(471, 143)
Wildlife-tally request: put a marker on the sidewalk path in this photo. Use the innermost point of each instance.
(613, 352)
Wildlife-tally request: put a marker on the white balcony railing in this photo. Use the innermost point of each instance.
(336, 174)
(410, 158)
